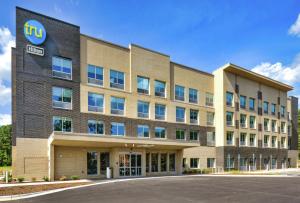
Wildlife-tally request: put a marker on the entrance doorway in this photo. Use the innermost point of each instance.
(130, 164)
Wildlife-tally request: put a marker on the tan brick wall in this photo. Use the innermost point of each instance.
(202, 153)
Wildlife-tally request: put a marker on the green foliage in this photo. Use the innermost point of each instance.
(46, 179)
(33, 179)
(63, 178)
(20, 179)
(5, 145)
(75, 177)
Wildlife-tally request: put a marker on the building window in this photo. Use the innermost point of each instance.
(266, 107)
(251, 104)
(172, 158)
(243, 139)
(95, 102)
(229, 118)
(210, 118)
(180, 134)
(282, 111)
(160, 112)
(209, 99)
(193, 96)
(194, 116)
(143, 131)
(163, 162)
(160, 88)
(229, 162)
(194, 162)
(252, 140)
(95, 127)
(142, 85)
(229, 138)
(179, 93)
(242, 102)
(252, 122)
(194, 135)
(229, 98)
(92, 163)
(211, 162)
(154, 162)
(283, 142)
(273, 109)
(117, 79)
(266, 124)
(117, 129)
(274, 163)
(266, 141)
(62, 124)
(283, 129)
(143, 109)
(117, 105)
(62, 68)
(160, 132)
(61, 98)
(180, 114)
(243, 120)
(274, 141)
(95, 75)
(274, 126)
(210, 138)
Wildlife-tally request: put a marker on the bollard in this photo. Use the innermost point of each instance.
(6, 176)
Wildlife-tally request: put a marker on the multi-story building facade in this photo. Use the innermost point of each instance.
(81, 104)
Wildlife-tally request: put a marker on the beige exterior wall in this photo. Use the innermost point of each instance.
(201, 153)
(293, 156)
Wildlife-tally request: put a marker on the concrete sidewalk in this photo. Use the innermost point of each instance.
(43, 183)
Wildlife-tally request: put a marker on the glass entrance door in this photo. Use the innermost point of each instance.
(130, 164)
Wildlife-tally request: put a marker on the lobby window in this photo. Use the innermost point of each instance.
(252, 140)
(172, 160)
(143, 131)
(251, 104)
(194, 135)
(163, 162)
(273, 109)
(229, 118)
(283, 142)
(229, 138)
(142, 85)
(283, 127)
(274, 141)
(282, 111)
(266, 107)
(194, 116)
(243, 120)
(160, 88)
(180, 134)
(179, 93)
(266, 141)
(95, 102)
(211, 162)
(61, 98)
(209, 99)
(211, 138)
(92, 163)
(154, 162)
(95, 127)
(229, 162)
(243, 139)
(266, 124)
(193, 96)
(180, 114)
(194, 162)
(229, 98)
(143, 109)
(210, 117)
(160, 132)
(62, 124)
(117, 105)
(117, 79)
(117, 129)
(160, 112)
(243, 102)
(274, 125)
(252, 122)
(61, 68)
(95, 75)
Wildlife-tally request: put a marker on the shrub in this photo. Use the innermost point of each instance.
(33, 179)
(75, 177)
(45, 178)
(20, 179)
(63, 178)
(9, 178)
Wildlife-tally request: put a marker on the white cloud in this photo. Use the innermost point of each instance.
(5, 119)
(295, 28)
(5, 95)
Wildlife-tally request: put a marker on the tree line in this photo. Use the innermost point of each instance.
(5, 145)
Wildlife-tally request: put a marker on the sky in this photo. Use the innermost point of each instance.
(262, 36)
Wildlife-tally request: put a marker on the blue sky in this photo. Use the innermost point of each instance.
(263, 36)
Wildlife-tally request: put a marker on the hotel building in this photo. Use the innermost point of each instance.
(82, 104)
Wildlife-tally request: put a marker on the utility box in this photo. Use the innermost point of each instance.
(108, 172)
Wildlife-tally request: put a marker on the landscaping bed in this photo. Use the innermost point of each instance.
(16, 190)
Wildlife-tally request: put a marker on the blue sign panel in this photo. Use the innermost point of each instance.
(34, 32)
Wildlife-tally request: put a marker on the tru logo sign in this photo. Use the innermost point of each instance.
(34, 32)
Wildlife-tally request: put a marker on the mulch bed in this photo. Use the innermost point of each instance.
(15, 190)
